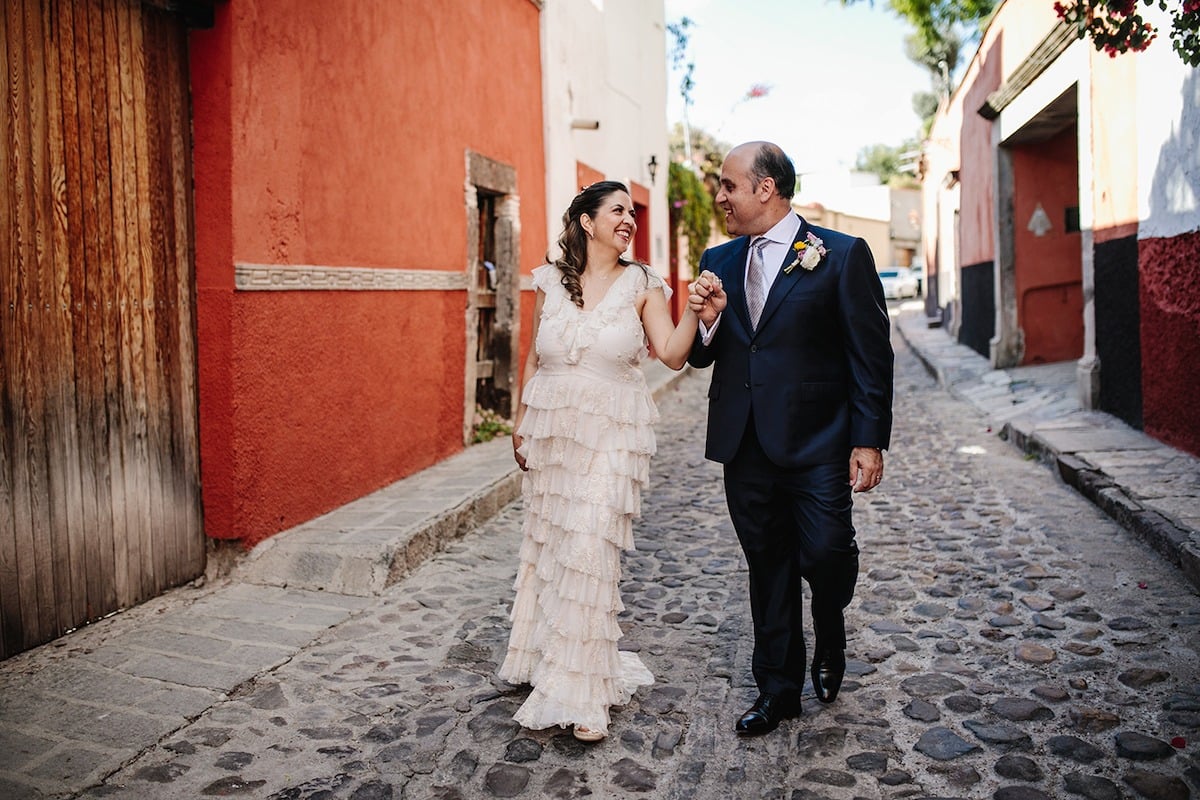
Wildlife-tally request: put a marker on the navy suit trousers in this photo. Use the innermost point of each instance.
(793, 524)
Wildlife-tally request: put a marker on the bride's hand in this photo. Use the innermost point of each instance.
(517, 441)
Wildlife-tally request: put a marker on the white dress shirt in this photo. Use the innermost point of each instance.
(780, 236)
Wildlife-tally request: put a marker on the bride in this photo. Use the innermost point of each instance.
(584, 436)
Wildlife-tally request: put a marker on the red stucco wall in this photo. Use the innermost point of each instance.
(336, 136)
(1048, 271)
(977, 173)
(1170, 334)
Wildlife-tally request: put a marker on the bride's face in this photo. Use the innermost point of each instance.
(614, 224)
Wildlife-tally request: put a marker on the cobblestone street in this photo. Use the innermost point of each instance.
(1007, 641)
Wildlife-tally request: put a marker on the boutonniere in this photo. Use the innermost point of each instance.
(808, 253)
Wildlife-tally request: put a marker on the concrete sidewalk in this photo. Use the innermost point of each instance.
(1152, 489)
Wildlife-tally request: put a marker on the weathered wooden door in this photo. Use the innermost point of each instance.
(99, 466)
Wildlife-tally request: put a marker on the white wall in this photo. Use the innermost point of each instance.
(1168, 115)
(606, 60)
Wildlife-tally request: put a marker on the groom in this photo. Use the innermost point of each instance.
(800, 410)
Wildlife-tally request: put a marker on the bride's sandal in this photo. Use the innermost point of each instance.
(587, 734)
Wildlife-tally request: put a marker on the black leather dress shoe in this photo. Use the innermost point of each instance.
(828, 669)
(766, 714)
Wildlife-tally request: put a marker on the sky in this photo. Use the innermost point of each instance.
(839, 80)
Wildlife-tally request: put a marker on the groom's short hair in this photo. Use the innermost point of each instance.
(771, 162)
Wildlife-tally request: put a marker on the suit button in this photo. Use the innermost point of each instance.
(747, 384)
(753, 348)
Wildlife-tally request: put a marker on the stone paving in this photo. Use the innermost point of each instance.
(1152, 489)
(1008, 640)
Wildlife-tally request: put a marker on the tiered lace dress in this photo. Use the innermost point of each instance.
(588, 437)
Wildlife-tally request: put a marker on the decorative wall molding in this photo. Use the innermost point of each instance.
(1054, 45)
(304, 278)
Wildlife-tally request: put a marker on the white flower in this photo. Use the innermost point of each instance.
(811, 257)
(808, 253)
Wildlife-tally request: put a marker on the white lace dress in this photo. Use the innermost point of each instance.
(588, 437)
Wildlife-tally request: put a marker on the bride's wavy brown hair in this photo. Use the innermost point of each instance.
(573, 239)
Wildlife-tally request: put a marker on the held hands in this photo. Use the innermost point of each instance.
(706, 297)
(866, 468)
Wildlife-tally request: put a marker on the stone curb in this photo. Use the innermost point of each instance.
(1174, 543)
(1179, 546)
(373, 542)
(334, 554)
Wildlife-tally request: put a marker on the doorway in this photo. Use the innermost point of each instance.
(493, 293)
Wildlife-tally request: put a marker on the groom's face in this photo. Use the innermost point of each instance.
(741, 196)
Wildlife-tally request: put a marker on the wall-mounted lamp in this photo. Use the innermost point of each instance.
(652, 165)
(585, 124)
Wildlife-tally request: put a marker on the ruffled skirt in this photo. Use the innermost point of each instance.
(587, 445)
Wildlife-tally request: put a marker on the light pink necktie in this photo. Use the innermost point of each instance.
(756, 280)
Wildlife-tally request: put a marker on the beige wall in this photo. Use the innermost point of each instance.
(876, 232)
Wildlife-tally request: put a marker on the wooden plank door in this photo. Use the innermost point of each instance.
(99, 466)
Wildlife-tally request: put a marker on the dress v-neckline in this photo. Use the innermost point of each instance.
(607, 292)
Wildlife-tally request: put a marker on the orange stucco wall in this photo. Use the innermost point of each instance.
(586, 176)
(1048, 270)
(335, 135)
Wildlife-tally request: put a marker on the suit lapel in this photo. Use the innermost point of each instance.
(735, 285)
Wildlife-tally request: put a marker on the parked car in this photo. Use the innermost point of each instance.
(898, 282)
(918, 272)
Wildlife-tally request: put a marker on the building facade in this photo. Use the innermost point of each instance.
(605, 89)
(1062, 215)
(272, 255)
(366, 198)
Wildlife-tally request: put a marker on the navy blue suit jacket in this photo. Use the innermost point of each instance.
(817, 374)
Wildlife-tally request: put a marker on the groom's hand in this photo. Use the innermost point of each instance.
(866, 468)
